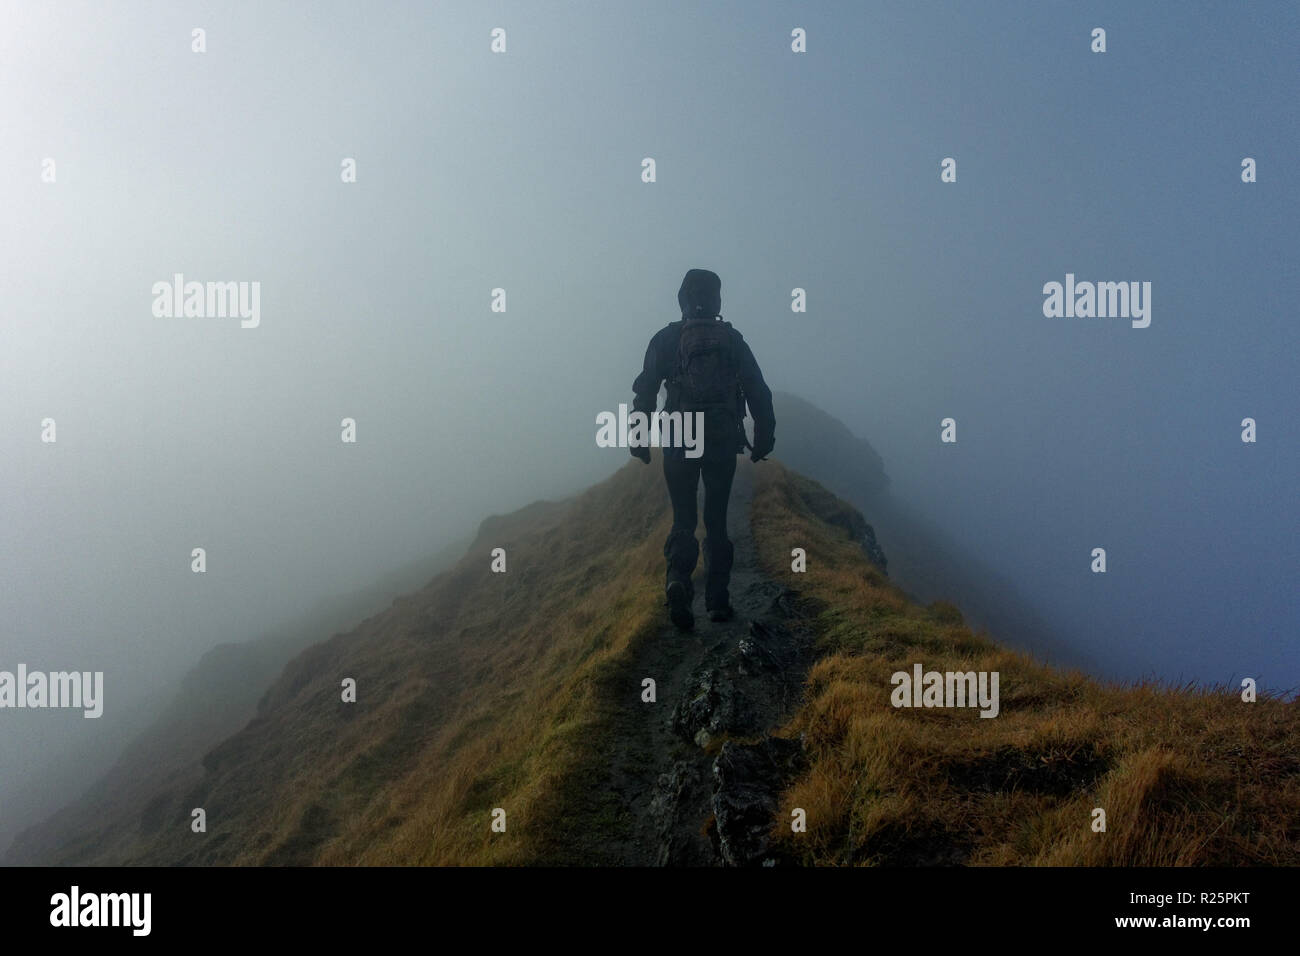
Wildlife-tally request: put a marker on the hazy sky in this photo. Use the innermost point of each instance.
(522, 171)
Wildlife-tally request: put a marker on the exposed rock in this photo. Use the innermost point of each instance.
(677, 795)
(711, 709)
(748, 781)
(843, 515)
(718, 810)
(874, 552)
(742, 686)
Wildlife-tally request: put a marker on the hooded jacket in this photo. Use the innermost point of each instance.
(700, 295)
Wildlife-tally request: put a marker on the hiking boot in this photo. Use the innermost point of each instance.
(679, 606)
(718, 558)
(682, 551)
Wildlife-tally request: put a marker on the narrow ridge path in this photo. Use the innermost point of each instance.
(679, 767)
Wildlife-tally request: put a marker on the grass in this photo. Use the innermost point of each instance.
(485, 691)
(480, 691)
(1189, 776)
(579, 590)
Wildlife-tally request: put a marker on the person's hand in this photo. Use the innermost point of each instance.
(642, 452)
(762, 450)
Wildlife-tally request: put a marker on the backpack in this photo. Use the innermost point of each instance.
(707, 375)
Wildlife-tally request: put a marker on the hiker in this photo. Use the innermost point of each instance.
(708, 368)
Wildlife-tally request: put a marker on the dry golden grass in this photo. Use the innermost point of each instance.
(581, 588)
(483, 691)
(1187, 776)
(480, 691)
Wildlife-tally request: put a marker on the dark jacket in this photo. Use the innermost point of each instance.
(660, 365)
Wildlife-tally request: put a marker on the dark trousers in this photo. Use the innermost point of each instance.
(681, 550)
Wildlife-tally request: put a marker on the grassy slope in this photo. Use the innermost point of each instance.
(480, 691)
(1186, 776)
(486, 690)
(215, 699)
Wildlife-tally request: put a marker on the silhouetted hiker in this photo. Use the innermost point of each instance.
(708, 368)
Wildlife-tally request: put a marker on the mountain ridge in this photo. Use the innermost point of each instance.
(524, 692)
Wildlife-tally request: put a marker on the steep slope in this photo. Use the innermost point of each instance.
(816, 443)
(470, 691)
(521, 690)
(526, 692)
(927, 563)
(215, 699)
(1185, 776)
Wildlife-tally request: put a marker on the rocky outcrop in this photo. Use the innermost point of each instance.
(715, 804)
(875, 554)
(742, 686)
(748, 781)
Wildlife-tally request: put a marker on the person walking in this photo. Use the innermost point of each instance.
(708, 368)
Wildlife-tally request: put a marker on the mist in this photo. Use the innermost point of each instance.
(522, 171)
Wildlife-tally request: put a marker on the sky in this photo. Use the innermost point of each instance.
(523, 171)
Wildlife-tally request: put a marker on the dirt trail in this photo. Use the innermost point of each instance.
(695, 771)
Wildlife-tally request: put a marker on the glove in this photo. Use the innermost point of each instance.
(761, 449)
(642, 452)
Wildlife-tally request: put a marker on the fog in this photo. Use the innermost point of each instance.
(522, 171)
